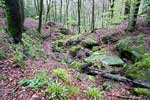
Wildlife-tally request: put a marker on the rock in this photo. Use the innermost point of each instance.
(131, 48)
(74, 40)
(106, 60)
(95, 48)
(73, 51)
(89, 43)
(65, 31)
(70, 60)
(140, 70)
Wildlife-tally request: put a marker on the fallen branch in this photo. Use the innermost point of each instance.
(126, 97)
(124, 79)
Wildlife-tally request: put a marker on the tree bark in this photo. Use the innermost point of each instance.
(133, 15)
(15, 18)
(40, 16)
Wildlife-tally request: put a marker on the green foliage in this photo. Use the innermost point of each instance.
(76, 64)
(41, 79)
(18, 59)
(94, 93)
(73, 90)
(142, 91)
(2, 54)
(61, 73)
(32, 45)
(57, 90)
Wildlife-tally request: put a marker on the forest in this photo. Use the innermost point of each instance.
(74, 49)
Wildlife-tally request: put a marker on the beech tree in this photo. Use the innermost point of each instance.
(133, 14)
(15, 18)
(40, 16)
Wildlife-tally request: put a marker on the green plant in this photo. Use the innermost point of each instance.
(94, 93)
(57, 90)
(18, 59)
(2, 54)
(61, 73)
(40, 79)
(73, 90)
(142, 91)
(76, 64)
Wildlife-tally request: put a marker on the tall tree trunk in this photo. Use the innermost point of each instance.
(133, 14)
(15, 18)
(93, 16)
(79, 15)
(40, 16)
(112, 2)
(61, 5)
(48, 9)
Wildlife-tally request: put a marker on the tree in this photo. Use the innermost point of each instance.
(79, 17)
(40, 16)
(15, 18)
(133, 14)
(147, 11)
(93, 16)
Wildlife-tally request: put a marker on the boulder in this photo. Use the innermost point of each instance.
(106, 60)
(89, 43)
(65, 31)
(140, 70)
(73, 40)
(131, 47)
(73, 51)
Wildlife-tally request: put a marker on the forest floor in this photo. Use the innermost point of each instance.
(10, 74)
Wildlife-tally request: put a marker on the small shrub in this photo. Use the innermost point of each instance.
(94, 93)
(2, 54)
(61, 73)
(57, 90)
(40, 79)
(73, 90)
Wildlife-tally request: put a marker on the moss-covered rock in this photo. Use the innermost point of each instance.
(73, 40)
(140, 70)
(132, 47)
(89, 43)
(73, 51)
(95, 48)
(106, 60)
(65, 31)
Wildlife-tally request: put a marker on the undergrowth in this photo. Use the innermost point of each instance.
(93, 93)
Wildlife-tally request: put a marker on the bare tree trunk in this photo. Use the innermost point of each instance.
(79, 15)
(93, 16)
(40, 16)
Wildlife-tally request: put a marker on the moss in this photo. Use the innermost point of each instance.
(95, 48)
(142, 91)
(89, 43)
(141, 69)
(73, 51)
